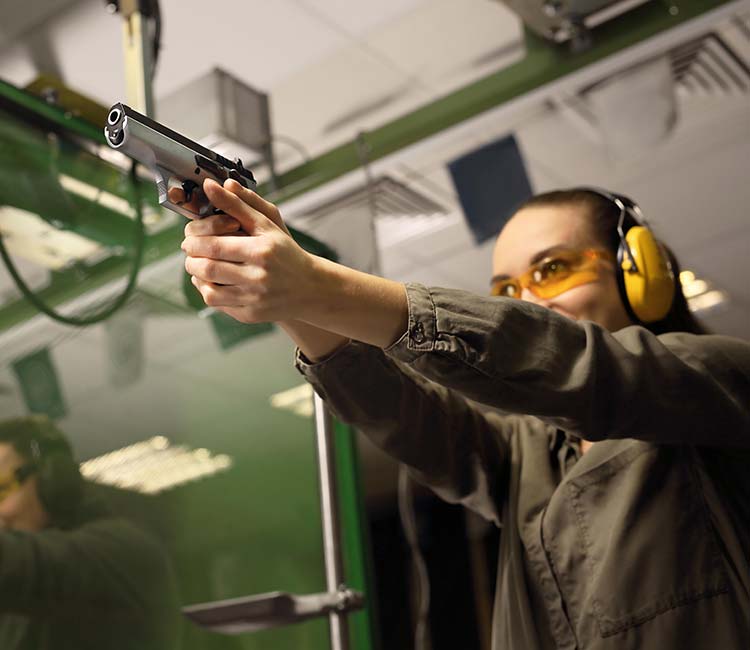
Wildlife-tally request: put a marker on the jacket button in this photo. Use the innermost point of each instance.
(417, 333)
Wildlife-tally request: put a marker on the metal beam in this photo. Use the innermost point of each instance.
(543, 64)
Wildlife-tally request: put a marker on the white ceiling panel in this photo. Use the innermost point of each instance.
(697, 196)
(447, 43)
(548, 141)
(259, 41)
(18, 18)
(346, 93)
(358, 17)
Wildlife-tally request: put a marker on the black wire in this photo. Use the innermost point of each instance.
(294, 144)
(156, 15)
(116, 304)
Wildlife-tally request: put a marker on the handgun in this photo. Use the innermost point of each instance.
(175, 161)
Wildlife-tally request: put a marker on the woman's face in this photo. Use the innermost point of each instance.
(536, 229)
(22, 508)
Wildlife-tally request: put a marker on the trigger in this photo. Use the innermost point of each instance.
(189, 187)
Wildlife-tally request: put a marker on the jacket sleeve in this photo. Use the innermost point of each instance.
(575, 375)
(106, 568)
(447, 443)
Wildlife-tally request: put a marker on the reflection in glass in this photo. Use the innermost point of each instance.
(72, 574)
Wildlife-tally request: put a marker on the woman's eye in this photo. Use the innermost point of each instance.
(550, 268)
(507, 290)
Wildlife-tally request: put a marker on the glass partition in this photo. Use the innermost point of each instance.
(194, 434)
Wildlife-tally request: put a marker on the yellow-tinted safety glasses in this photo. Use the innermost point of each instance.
(10, 483)
(554, 274)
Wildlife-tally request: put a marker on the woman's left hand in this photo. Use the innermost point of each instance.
(265, 276)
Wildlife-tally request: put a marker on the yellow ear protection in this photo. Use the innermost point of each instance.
(644, 272)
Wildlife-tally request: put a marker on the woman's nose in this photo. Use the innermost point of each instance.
(530, 296)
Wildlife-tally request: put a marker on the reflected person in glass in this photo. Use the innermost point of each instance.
(73, 576)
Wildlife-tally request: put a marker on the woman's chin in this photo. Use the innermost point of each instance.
(565, 313)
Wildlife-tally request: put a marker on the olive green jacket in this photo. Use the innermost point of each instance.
(643, 543)
(102, 585)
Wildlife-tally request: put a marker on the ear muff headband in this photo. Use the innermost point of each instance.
(645, 277)
(59, 481)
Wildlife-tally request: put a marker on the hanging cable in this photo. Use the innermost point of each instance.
(294, 144)
(105, 313)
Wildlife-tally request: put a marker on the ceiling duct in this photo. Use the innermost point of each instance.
(713, 64)
(387, 210)
(223, 113)
(637, 107)
(568, 20)
(389, 197)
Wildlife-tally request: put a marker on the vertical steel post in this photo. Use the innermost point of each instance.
(139, 60)
(329, 508)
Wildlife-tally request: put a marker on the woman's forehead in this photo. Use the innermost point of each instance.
(535, 229)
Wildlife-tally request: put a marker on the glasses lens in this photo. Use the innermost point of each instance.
(506, 288)
(564, 271)
(8, 485)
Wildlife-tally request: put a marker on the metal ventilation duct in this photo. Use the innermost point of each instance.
(388, 197)
(354, 223)
(718, 62)
(565, 20)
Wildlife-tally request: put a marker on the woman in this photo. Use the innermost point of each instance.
(620, 477)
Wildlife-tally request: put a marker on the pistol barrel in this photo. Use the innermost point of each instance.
(174, 159)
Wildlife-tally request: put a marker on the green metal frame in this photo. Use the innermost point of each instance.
(544, 63)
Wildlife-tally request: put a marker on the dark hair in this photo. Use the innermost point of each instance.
(48, 455)
(23, 433)
(604, 215)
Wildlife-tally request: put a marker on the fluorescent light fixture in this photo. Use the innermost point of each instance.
(222, 112)
(708, 300)
(298, 400)
(28, 235)
(96, 195)
(153, 466)
(151, 216)
(701, 294)
(695, 288)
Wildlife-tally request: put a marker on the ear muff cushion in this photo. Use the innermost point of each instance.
(60, 486)
(649, 290)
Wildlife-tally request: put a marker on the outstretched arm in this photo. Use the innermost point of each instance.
(267, 276)
(520, 357)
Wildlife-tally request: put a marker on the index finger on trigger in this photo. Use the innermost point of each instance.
(177, 196)
(251, 220)
(255, 201)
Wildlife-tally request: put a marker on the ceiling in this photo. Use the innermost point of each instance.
(331, 67)
(334, 68)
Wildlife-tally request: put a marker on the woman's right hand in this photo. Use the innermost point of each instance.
(267, 276)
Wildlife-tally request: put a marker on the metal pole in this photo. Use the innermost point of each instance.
(139, 64)
(329, 507)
